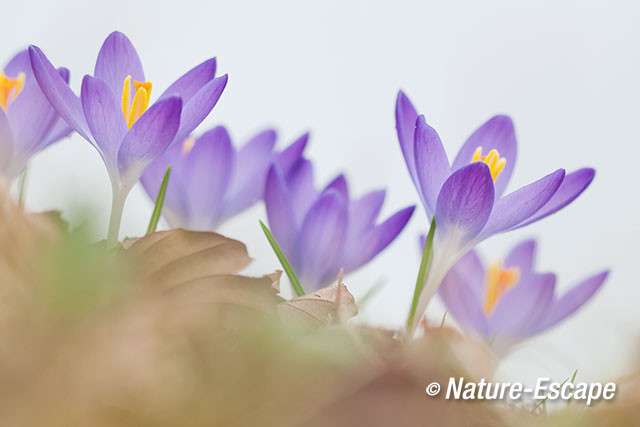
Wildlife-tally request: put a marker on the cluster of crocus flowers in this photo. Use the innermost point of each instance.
(321, 233)
(466, 196)
(115, 115)
(212, 181)
(324, 232)
(28, 123)
(508, 301)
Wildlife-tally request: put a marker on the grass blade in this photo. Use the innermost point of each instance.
(573, 380)
(425, 265)
(22, 183)
(373, 290)
(295, 283)
(543, 402)
(157, 209)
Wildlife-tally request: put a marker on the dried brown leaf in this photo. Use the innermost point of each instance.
(323, 307)
(257, 293)
(168, 258)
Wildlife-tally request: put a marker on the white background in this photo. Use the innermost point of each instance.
(567, 72)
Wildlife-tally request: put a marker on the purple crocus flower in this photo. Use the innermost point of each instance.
(28, 123)
(321, 232)
(466, 196)
(115, 115)
(509, 301)
(211, 181)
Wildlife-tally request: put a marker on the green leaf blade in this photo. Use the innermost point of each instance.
(423, 273)
(157, 209)
(295, 283)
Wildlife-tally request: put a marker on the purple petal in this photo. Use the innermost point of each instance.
(149, 138)
(104, 117)
(31, 116)
(339, 184)
(206, 172)
(516, 207)
(572, 186)
(573, 300)
(59, 130)
(175, 209)
(190, 83)
(432, 165)
(321, 240)
(58, 93)
(522, 256)
(289, 156)
(469, 269)
(457, 292)
(522, 308)
(497, 133)
(246, 186)
(282, 220)
(406, 117)
(361, 249)
(364, 212)
(302, 192)
(20, 63)
(118, 59)
(465, 202)
(6, 141)
(198, 107)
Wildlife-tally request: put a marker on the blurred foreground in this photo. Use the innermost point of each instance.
(163, 332)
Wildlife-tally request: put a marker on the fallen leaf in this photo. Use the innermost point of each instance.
(258, 293)
(168, 258)
(323, 307)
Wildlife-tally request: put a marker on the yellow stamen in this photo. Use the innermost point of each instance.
(187, 145)
(498, 281)
(10, 89)
(133, 110)
(493, 160)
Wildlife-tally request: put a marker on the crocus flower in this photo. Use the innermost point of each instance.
(211, 181)
(509, 301)
(115, 115)
(321, 232)
(28, 123)
(466, 196)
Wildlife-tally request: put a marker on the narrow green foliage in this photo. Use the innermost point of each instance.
(493, 338)
(573, 380)
(543, 402)
(22, 183)
(373, 290)
(444, 319)
(295, 283)
(423, 273)
(157, 209)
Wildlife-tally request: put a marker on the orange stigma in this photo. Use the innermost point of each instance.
(10, 89)
(133, 110)
(493, 160)
(499, 280)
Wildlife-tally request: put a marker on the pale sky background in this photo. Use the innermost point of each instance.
(567, 72)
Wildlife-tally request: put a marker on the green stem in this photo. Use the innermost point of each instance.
(423, 273)
(117, 206)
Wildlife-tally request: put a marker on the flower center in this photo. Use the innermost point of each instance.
(9, 89)
(499, 280)
(493, 160)
(132, 110)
